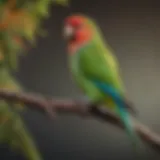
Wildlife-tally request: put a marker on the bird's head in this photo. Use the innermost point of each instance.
(77, 30)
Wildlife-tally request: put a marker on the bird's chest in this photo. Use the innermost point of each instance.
(76, 60)
(74, 63)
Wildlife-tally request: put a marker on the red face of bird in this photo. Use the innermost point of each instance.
(77, 30)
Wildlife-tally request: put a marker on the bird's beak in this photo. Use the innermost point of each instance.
(68, 32)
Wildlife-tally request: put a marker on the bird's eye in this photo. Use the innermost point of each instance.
(76, 23)
(77, 26)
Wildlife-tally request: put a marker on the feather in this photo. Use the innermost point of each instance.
(109, 90)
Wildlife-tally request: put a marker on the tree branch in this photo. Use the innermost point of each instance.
(52, 106)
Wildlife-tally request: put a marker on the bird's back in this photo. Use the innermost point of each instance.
(98, 62)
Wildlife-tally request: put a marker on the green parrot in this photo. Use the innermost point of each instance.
(95, 69)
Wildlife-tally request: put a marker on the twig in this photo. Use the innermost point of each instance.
(50, 105)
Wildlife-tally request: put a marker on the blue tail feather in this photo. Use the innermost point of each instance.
(122, 110)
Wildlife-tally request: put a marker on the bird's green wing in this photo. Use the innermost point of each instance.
(97, 62)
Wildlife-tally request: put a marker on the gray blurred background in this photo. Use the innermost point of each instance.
(132, 28)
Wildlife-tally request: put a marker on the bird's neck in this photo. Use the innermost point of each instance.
(74, 47)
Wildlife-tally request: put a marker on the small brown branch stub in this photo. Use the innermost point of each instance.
(52, 106)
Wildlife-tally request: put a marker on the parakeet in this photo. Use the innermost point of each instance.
(95, 68)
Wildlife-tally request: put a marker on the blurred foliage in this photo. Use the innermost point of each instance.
(20, 22)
